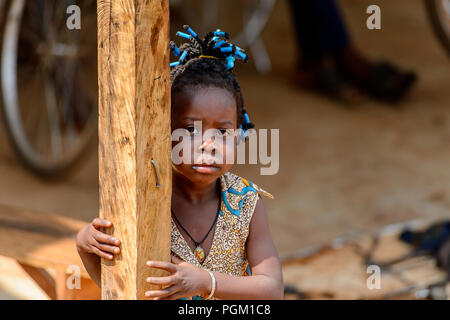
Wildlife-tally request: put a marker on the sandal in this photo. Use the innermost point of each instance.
(384, 82)
(388, 83)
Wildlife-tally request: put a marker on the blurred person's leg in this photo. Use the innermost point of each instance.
(328, 61)
(319, 29)
(320, 33)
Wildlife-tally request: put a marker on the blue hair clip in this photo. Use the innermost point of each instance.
(174, 64)
(221, 33)
(228, 49)
(183, 56)
(246, 117)
(219, 44)
(230, 62)
(176, 51)
(191, 32)
(243, 132)
(183, 35)
(242, 55)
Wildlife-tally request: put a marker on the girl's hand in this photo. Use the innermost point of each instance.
(185, 280)
(91, 240)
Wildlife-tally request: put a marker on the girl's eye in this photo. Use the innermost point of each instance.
(223, 132)
(192, 130)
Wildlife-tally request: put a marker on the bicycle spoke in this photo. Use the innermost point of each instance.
(31, 24)
(41, 140)
(67, 98)
(42, 135)
(32, 114)
(47, 17)
(53, 117)
(31, 38)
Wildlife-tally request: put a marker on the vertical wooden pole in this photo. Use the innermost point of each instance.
(134, 128)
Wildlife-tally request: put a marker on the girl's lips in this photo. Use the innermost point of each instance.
(205, 168)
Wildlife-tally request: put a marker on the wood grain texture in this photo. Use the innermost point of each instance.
(134, 127)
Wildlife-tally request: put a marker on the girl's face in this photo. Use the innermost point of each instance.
(216, 110)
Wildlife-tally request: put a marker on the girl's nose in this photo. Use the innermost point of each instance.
(208, 145)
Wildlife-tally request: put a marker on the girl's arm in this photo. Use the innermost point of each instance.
(92, 244)
(266, 281)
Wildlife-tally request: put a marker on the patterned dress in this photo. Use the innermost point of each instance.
(228, 251)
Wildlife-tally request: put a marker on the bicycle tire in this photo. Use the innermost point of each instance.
(15, 132)
(432, 8)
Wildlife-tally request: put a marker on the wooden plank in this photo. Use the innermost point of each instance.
(42, 278)
(39, 239)
(134, 127)
(88, 290)
(55, 286)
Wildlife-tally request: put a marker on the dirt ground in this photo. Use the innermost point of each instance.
(342, 170)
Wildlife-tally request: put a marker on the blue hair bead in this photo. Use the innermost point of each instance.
(227, 49)
(183, 56)
(219, 44)
(230, 62)
(246, 117)
(215, 38)
(220, 33)
(243, 132)
(174, 64)
(183, 35)
(176, 51)
(191, 32)
(242, 55)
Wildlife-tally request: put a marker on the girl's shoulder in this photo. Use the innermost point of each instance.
(237, 185)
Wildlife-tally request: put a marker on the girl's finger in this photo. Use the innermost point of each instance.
(104, 247)
(98, 223)
(170, 267)
(163, 292)
(102, 254)
(105, 238)
(108, 248)
(177, 295)
(165, 281)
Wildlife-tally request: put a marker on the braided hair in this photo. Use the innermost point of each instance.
(209, 62)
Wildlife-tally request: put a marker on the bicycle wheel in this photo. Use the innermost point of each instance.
(439, 14)
(49, 82)
(208, 15)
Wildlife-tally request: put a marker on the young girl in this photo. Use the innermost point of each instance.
(220, 240)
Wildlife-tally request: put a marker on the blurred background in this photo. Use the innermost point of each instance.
(364, 119)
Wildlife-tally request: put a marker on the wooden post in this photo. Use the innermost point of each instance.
(134, 128)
